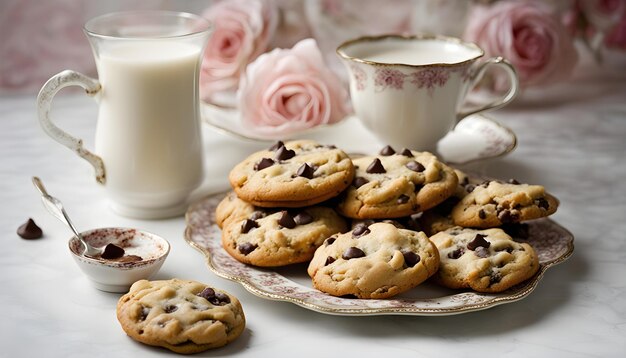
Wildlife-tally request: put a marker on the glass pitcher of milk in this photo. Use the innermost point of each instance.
(148, 148)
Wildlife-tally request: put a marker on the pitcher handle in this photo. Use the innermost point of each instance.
(44, 101)
(477, 74)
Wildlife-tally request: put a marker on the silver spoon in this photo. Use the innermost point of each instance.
(54, 206)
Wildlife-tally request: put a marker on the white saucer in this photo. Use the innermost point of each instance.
(476, 137)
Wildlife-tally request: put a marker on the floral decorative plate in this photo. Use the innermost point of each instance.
(553, 244)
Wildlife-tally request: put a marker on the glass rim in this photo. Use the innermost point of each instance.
(88, 28)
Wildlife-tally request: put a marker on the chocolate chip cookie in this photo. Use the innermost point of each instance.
(232, 208)
(271, 238)
(293, 174)
(494, 203)
(392, 185)
(182, 316)
(376, 261)
(483, 260)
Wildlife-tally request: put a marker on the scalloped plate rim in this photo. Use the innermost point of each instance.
(523, 292)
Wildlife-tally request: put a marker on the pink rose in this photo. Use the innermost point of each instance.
(527, 34)
(242, 31)
(285, 91)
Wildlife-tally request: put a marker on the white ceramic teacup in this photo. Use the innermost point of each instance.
(148, 151)
(409, 90)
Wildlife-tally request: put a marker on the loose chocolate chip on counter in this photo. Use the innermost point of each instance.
(112, 251)
(482, 214)
(410, 258)
(376, 167)
(256, 215)
(303, 218)
(263, 163)
(407, 153)
(248, 225)
(415, 166)
(513, 181)
(306, 171)
(403, 199)
(329, 241)
(283, 153)
(329, 260)
(456, 253)
(277, 145)
(479, 241)
(352, 253)
(359, 182)
(387, 151)
(360, 230)
(216, 298)
(286, 220)
(543, 203)
(29, 230)
(247, 248)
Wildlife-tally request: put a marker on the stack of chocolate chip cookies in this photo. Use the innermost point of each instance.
(376, 226)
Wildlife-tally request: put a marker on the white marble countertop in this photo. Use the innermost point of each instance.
(572, 139)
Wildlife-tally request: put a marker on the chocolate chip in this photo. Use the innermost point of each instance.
(494, 278)
(216, 298)
(415, 166)
(263, 163)
(248, 225)
(329, 241)
(305, 171)
(456, 253)
(145, 311)
(470, 188)
(283, 153)
(513, 181)
(543, 203)
(331, 146)
(403, 199)
(170, 308)
(112, 251)
(410, 258)
(464, 182)
(387, 151)
(329, 260)
(303, 218)
(256, 215)
(482, 214)
(352, 253)
(376, 167)
(481, 252)
(479, 241)
(359, 182)
(360, 230)
(277, 145)
(286, 220)
(247, 248)
(29, 230)
(508, 216)
(407, 153)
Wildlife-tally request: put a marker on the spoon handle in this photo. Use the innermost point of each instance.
(53, 205)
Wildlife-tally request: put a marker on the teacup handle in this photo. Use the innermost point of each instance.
(477, 74)
(44, 101)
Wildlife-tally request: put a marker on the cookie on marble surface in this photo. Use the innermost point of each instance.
(183, 316)
(294, 174)
(378, 261)
(484, 260)
(494, 203)
(392, 185)
(271, 238)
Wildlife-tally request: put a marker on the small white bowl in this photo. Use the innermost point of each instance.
(118, 276)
